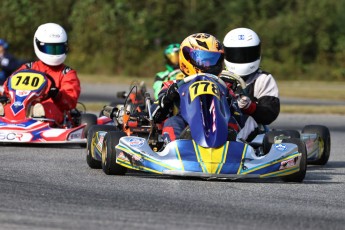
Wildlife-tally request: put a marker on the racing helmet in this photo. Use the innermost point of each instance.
(171, 55)
(50, 44)
(201, 53)
(3, 43)
(242, 48)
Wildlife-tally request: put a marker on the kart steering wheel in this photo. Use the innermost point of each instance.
(232, 77)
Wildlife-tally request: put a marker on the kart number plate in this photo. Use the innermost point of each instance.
(27, 81)
(203, 87)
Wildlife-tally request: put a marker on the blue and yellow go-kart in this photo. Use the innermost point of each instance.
(205, 150)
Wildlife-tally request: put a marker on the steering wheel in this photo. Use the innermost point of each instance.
(234, 78)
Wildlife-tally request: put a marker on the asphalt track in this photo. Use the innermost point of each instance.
(53, 188)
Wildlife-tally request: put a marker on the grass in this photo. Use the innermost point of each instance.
(290, 89)
(311, 109)
(312, 89)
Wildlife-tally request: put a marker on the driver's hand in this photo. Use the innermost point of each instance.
(170, 96)
(244, 102)
(172, 92)
(53, 92)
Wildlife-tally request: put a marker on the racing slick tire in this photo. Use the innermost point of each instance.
(324, 142)
(90, 120)
(109, 165)
(92, 163)
(269, 138)
(297, 176)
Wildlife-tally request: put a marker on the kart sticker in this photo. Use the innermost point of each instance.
(136, 142)
(288, 163)
(280, 147)
(15, 137)
(27, 81)
(203, 87)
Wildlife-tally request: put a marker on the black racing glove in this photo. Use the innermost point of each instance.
(53, 92)
(170, 96)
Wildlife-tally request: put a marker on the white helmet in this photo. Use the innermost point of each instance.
(50, 43)
(242, 48)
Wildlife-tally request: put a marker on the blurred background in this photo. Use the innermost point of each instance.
(301, 40)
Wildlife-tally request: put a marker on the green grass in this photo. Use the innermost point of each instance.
(312, 89)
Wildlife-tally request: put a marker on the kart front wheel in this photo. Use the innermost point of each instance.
(298, 176)
(324, 142)
(109, 165)
(92, 142)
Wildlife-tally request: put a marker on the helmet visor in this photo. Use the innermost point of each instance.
(242, 54)
(203, 59)
(52, 48)
(173, 58)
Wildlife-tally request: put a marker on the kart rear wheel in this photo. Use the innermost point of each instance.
(90, 120)
(109, 165)
(269, 138)
(95, 164)
(324, 142)
(298, 176)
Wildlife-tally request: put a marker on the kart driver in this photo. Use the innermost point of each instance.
(242, 48)
(199, 53)
(171, 55)
(50, 44)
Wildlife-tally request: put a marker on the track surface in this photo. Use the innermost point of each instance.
(53, 188)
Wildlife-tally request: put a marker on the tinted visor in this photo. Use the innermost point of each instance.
(207, 61)
(242, 54)
(173, 58)
(52, 48)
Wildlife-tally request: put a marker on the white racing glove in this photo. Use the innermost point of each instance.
(244, 102)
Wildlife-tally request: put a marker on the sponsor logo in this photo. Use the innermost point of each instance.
(288, 163)
(137, 158)
(280, 147)
(136, 142)
(75, 136)
(22, 93)
(241, 37)
(11, 136)
(17, 104)
(122, 156)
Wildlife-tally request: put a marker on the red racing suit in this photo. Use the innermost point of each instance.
(66, 80)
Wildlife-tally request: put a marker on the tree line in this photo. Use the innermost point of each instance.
(301, 40)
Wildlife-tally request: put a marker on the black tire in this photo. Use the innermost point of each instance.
(95, 164)
(325, 141)
(109, 165)
(298, 176)
(269, 138)
(90, 120)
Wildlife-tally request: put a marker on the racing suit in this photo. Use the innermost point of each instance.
(166, 75)
(68, 84)
(168, 113)
(265, 104)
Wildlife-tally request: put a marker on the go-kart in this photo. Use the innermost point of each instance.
(17, 124)
(205, 149)
(316, 138)
(135, 96)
